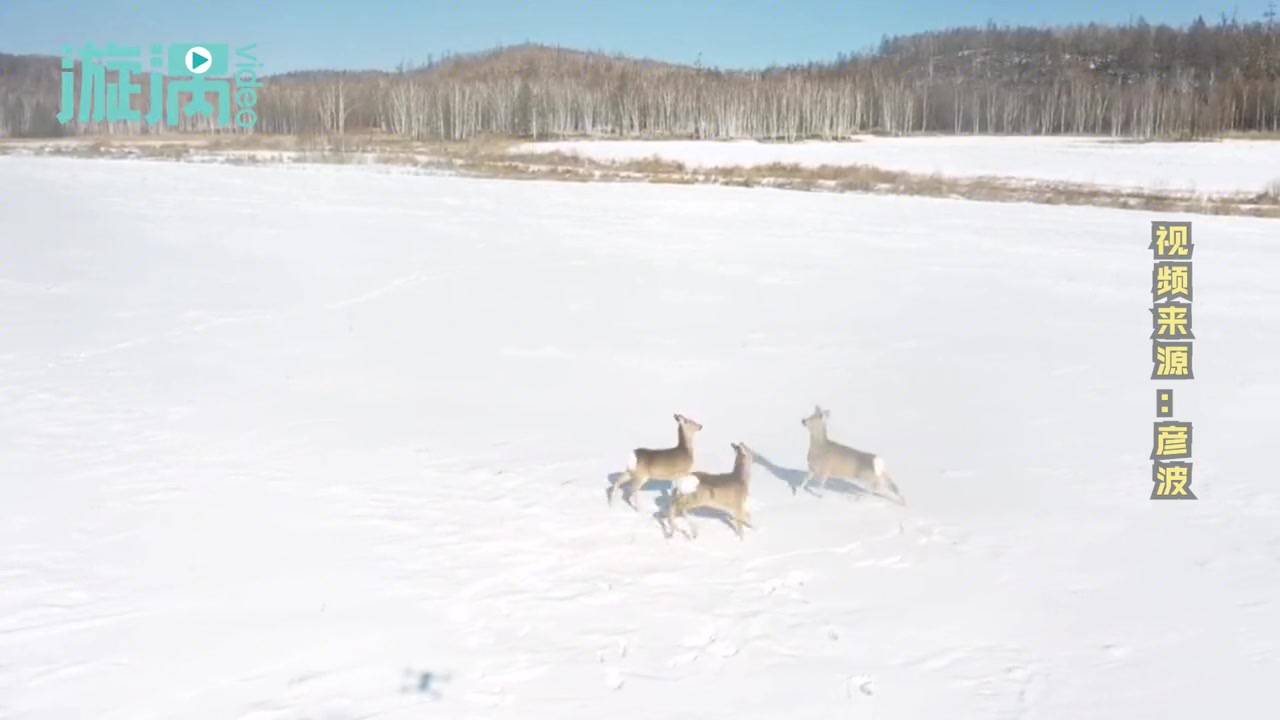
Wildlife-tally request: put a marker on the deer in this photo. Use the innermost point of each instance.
(828, 459)
(646, 464)
(726, 492)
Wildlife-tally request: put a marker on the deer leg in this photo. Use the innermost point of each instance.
(804, 484)
(620, 479)
(822, 483)
(888, 489)
(633, 489)
(691, 531)
(693, 528)
(671, 518)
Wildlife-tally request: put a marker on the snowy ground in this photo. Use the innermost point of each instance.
(1205, 167)
(327, 443)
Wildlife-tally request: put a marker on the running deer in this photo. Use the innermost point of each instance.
(666, 464)
(828, 459)
(726, 492)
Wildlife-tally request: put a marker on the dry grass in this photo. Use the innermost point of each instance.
(1253, 135)
(868, 179)
(1271, 193)
(495, 158)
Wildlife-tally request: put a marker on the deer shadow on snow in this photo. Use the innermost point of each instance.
(665, 487)
(795, 479)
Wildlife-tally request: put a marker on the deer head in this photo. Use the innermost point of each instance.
(817, 419)
(687, 426)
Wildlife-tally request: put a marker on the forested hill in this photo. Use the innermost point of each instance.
(1137, 80)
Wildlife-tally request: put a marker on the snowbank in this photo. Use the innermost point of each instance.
(1209, 167)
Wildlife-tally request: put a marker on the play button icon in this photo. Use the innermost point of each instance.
(199, 60)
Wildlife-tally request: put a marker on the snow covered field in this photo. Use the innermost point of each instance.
(328, 443)
(1206, 167)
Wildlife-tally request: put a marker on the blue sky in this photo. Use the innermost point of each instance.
(299, 34)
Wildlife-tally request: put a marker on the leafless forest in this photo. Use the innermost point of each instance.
(1138, 80)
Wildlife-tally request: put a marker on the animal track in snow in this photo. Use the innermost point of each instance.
(708, 643)
(857, 685)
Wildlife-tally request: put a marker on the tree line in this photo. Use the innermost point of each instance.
(1137, 81)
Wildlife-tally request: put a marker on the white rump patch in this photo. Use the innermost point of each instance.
(878, 465)
(687, 484)
(632, 461)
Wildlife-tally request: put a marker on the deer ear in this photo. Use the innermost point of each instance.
(678, 418)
